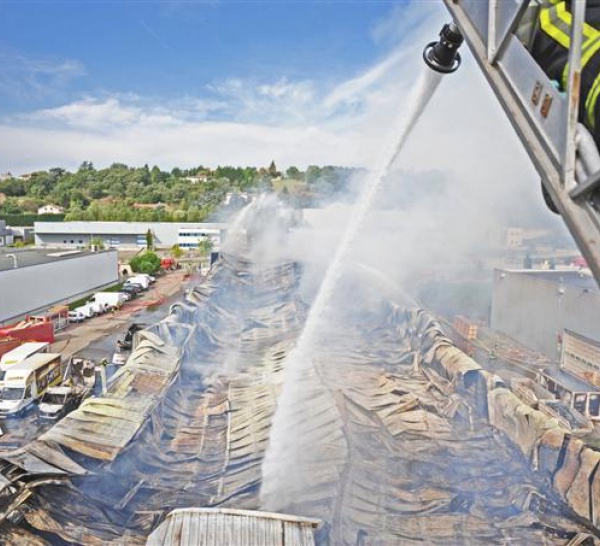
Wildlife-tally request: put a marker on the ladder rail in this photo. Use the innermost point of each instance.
(544, 119)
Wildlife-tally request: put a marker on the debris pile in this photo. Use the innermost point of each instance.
(390, 442)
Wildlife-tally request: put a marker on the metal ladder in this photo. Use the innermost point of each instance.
(562, 150)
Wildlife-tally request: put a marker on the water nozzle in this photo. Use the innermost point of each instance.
(442, 56)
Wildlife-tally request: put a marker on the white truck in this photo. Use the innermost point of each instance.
(20, 353)
(27, 381)
(110, 300)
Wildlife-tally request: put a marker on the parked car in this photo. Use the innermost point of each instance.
(76, 316)
(126, 295)
(138, 287)
(130, 291)
(58, 401)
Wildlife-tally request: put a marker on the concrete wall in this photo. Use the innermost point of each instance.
(534, 311)
(30, 289)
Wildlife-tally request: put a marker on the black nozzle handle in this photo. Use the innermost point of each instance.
(442, 56)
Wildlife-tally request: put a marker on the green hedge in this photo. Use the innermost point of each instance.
(29, 219)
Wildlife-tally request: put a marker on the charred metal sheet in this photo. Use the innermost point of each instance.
(390, 454)
(101, 427)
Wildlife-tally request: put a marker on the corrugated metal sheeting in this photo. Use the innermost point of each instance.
(219, 527)
(378, 445)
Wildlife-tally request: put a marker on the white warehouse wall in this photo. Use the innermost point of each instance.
(34, 288)
(534, 311)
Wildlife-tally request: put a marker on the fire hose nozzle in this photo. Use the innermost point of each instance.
(442, 56)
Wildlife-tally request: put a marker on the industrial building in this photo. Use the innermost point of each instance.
(6, 234)
(33, 280)
(126, 234)
(536, 307)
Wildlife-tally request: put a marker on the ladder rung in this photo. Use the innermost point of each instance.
(588, 187)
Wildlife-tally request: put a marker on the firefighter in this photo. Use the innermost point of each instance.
(549, 46)
(546, 32)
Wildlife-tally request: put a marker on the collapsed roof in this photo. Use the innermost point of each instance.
(378, 443)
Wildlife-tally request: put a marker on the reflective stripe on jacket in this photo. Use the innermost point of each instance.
(551, 45)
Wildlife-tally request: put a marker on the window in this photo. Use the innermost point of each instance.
(579, 402)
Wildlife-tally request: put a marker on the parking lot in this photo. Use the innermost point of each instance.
(96, 339)
(153, 302)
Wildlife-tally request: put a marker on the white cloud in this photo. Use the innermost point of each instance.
(243, 122)
(279, 103)
(27, 77)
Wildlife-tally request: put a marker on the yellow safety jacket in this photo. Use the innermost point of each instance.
(550, 48)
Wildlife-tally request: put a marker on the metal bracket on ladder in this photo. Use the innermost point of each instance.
(545, 120)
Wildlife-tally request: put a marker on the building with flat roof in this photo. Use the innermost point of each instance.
(6, 234)
(125, 234)
(535, 307)
(33, 280)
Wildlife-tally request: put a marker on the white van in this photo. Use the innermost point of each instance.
(86, 310)
(108, 299)
(27, 381)
(20, 353)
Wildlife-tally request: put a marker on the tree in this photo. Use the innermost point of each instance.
(86, 166)
(10, 206)
(294, 172)
(194, 214)
(96, 242)
(149, 240)
(29, 205)
(176, 252)
(273, 170)
(148, 262)
(313, 173)
(205, 246)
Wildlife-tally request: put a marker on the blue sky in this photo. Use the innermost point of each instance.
(183, 83)
(163, 50)
(222, 82)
